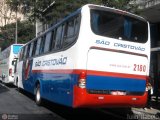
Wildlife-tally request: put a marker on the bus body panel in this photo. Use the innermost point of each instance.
(83, 99)
(6, 66)
(116, 71)
(55, 72)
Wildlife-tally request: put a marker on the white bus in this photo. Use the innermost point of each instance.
(7, 58)
(96, 57)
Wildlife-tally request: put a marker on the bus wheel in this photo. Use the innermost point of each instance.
(38, 95)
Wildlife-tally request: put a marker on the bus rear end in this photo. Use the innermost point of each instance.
(12, 62)
(117, 65)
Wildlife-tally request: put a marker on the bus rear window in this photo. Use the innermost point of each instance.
(16, 48)
(118, 26)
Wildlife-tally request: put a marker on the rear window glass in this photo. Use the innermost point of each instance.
(16, 48)
(118, 26)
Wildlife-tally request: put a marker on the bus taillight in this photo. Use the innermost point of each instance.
(10, 72)
(82, 80)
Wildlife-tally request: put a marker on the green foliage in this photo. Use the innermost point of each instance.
(37, 9)
(26, 32)
(61, 9)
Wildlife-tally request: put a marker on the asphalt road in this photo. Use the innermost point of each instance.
(20, 105)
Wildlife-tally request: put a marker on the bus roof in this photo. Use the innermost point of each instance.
(102, 7)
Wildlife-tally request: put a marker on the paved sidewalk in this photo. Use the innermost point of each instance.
(147, 110)
(153, 110)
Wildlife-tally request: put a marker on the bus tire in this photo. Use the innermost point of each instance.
(38, 98)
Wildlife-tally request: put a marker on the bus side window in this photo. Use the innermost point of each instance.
(34, 48)
(41, 50)
(58, 37)
(76, 25)
(72, 28)
(31, 49)
(21, 53)
(63, 33)
(69, 32)
(47, 42)
(28, 50)
(25, 52)
(38, 46)
(53, 40)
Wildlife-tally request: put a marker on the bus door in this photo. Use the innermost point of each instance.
(14, 63)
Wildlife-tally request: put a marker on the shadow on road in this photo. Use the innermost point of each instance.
(3, 88)
(10, 86)
(29, 95)
(68, 113)
(88, 113)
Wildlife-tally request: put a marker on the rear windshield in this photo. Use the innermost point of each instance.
(16, 49)
(118, 26)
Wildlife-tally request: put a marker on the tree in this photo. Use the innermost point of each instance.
(26, 32)
(6, 15)
(37, 9)
(63, 8)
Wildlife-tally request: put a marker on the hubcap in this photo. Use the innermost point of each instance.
(38, 96)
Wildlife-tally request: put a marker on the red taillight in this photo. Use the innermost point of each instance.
(10, 72)
(82, 80)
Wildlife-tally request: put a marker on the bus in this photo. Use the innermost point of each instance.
(95, 57)
(7, 58)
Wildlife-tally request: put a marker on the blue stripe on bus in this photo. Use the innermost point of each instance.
(114, 83)
(57, 88)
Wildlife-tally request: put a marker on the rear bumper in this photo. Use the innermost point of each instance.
(83, 99)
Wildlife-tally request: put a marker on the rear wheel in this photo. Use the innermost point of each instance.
(38, 95)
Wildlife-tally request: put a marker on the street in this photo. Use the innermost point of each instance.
(20, 105)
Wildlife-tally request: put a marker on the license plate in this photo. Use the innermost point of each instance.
(118, 93)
